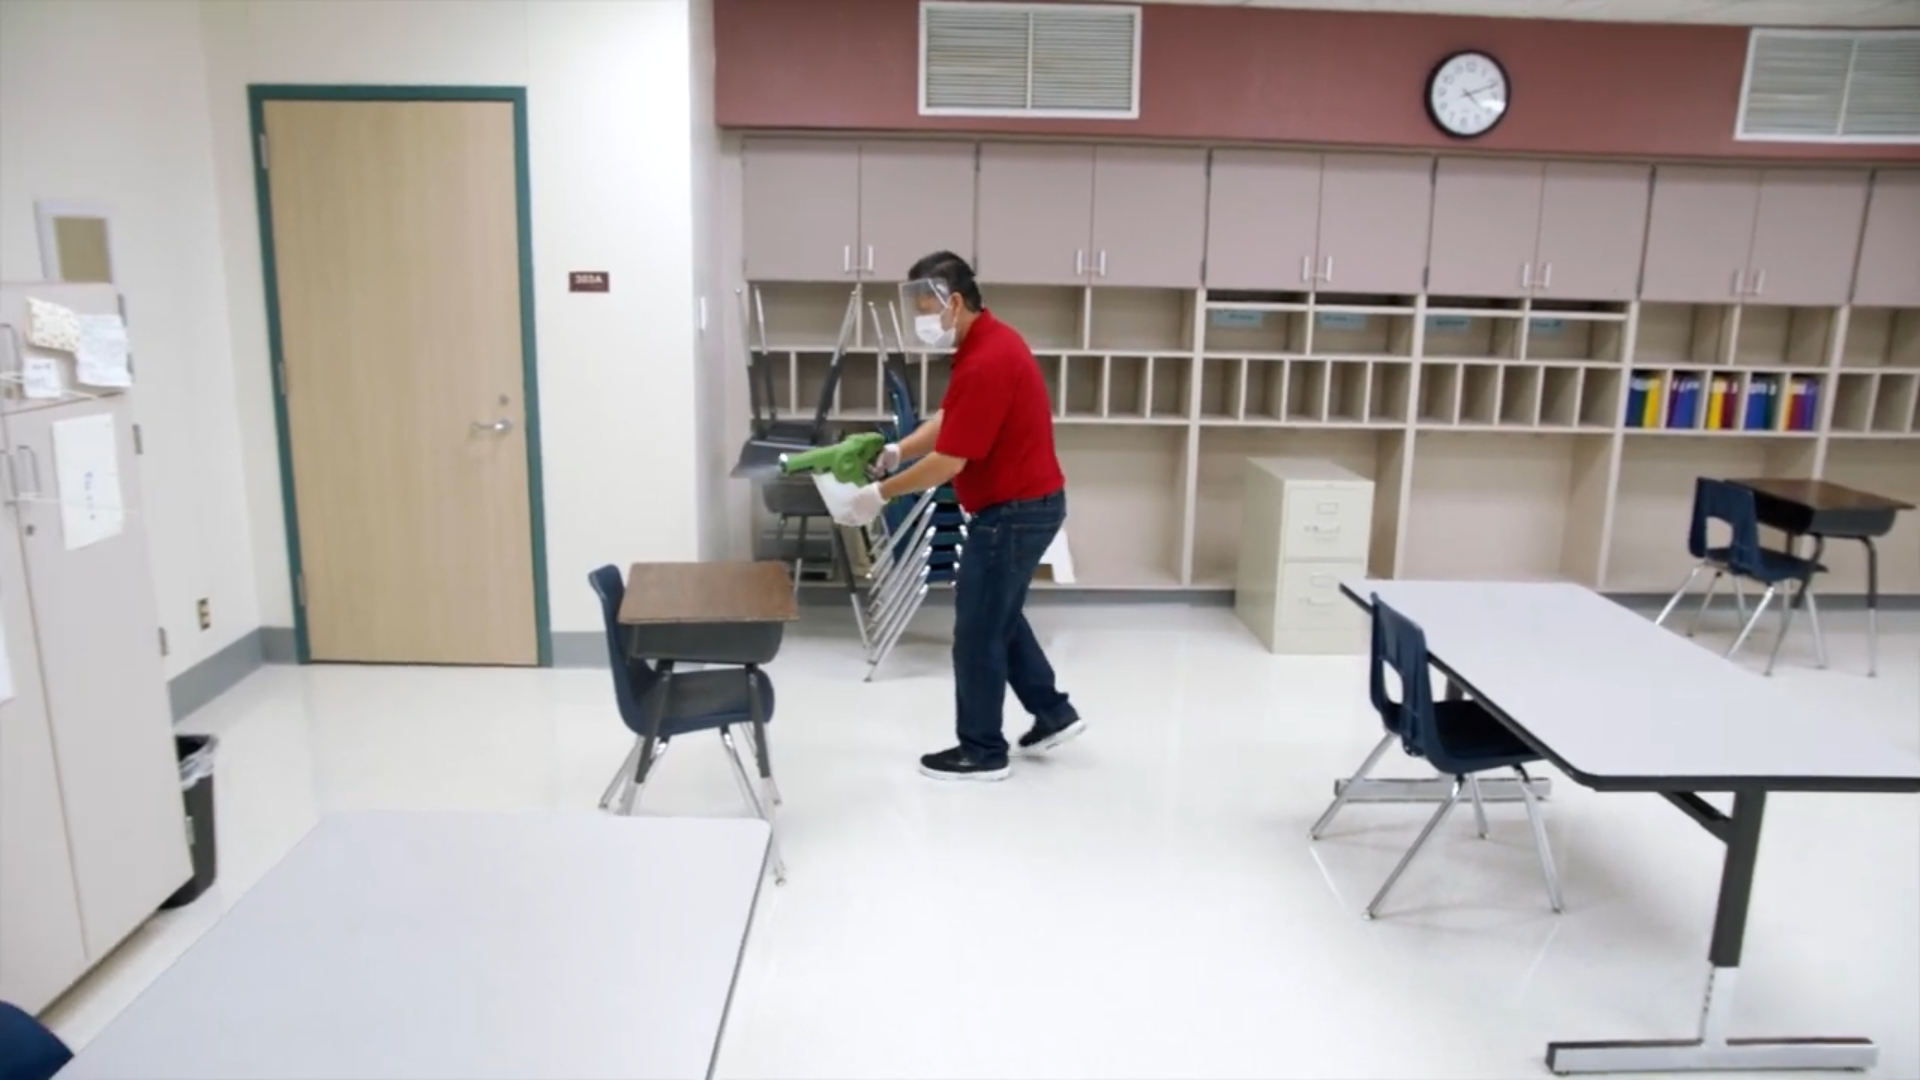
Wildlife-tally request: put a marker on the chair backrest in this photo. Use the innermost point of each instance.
(28, 1051)
(632, 678)
(906, 418)
(1717, 500)
(1400, 645)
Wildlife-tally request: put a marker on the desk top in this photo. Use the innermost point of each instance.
(403, 946)
(1822, 495)
(1620, 704)
(712, 592)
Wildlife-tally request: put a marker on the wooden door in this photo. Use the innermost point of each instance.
(1263, 220)
(1593, 228)
(1486, 221)
(1699, 234)
(1149, 216)
(1036, 214)
(801, 214)
(1374, 213)
(42, 951)
(916, 198)
(1889, 273)
(1807, 236)
(100, 664)
(397, 259)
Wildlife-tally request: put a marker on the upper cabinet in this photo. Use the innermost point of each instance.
(1889, 274)
(1528, 228)
(1783, 236)
(1280, 220)
(837, 210)
(1076, 215)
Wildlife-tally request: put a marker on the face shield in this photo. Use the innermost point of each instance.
(925, 301)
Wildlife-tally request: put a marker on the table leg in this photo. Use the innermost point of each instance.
(1873, 607)
(1713, 1050)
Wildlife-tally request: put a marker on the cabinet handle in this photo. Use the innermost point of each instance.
(869, 258)
(1323, 530)
(1329, 278)
(13, 480)
(846, 259)
(1321, 579)
(1079, 263)
(1328, 507)
(1526, 275)
(1306, 268)
(1739, 282)
(1318, 601)
(1546, 276)
(33, 466)
(1760, 282)
(1102, 271)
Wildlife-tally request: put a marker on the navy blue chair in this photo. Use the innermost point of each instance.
(659, 705)
(1743, 558)
(28, 1051)
(1460, 738)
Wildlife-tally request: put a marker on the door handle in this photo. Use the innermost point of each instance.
(1102, 269)
(1546, 276)
(1526, 275)
(1329, 278)
(846, 258)
(1760, 282)
(1079, 263)
(498, 427)
(869, 258)
(1739, 281)
(1306, 268)
(13, 481)
(33, 467)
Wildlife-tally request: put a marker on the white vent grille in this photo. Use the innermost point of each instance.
(1840, 86)
(1041, 60)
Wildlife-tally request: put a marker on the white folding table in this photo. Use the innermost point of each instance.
(402, 946)
(1620, 705)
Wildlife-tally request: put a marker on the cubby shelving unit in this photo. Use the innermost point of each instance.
(1506, 439)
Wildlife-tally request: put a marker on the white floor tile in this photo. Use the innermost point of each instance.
(1145, 902)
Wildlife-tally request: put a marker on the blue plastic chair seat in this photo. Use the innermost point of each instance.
(1770, 568)
(28, 1051)
(1457, 737)
(1472, 740)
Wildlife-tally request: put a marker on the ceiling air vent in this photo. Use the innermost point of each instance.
(1837, 86)
(1040, 60)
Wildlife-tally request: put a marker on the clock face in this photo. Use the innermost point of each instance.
(1468, 94)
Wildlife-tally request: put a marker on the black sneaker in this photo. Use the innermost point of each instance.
(956, 764)
(1043, 737)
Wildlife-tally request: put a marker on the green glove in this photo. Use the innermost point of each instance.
(846, 461)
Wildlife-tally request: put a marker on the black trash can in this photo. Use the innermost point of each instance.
(196, 791)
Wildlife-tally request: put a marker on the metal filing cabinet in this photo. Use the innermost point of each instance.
(1305, 527)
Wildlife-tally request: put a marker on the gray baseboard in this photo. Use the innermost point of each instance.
(579, 649)
(217, 674)
(278, 645)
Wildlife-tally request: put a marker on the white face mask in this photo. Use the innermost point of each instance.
(931, 333)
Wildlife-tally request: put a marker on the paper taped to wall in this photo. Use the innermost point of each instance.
(41, 376)
(86, 465)
(102, 353)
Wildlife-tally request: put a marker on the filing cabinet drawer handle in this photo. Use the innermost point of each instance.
(1323, 530)
(1321, 579)
(1328, 508)
(1318, 601)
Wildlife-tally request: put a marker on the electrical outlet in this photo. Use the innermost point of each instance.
(206, 615)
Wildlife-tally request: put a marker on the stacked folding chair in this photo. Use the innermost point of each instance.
(914, 546)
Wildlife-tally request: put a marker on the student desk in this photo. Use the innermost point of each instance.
(1824, 510)
(406, 946)
(1547, 660)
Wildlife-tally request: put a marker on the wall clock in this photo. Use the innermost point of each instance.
(1468, 94)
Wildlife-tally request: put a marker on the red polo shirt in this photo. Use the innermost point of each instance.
(997, 417)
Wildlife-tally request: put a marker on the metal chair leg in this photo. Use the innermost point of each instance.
(617, 785)
(1373, 908)
(1747, 629)
(1740, 597)
(1479, 811)
(1712, 584)
(642, 772)
(1789, 604)
(760, 810)
(1540, 845)
(1346, 789)
(1674, 601)
(1819, 637)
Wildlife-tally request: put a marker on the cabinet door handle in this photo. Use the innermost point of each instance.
(1546, 276)
(1760, 282)
(1323, 530)
(1526, 275)
(33, 467)
(846, 259)
(1318, 601)
(13, 479)
(1102, 270)
(1079, 263)
(869, 258)
(1329, 278)
(1306, 268)
(1739, 282)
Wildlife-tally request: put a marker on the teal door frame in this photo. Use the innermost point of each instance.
(258, 95)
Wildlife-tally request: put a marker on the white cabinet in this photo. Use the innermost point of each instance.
(1305, 527)
(92, 834)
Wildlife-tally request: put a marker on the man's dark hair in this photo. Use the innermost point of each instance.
(952, 271)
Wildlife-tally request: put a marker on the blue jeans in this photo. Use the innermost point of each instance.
(993, 647)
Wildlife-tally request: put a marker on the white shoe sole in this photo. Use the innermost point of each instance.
(1064, 735)
(1000, 773)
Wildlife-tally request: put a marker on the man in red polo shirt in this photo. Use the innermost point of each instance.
(993, 439)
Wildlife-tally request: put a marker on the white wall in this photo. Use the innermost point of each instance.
(107, 102)
(608, 89)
